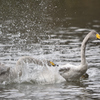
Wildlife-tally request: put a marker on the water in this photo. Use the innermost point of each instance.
(51, 30)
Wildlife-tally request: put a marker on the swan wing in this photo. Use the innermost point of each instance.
(69, 71)
(65, 68)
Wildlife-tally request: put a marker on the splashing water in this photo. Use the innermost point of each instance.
(35, 73)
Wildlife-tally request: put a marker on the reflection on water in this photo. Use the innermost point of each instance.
(51, 30)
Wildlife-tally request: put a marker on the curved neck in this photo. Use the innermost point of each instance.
(83, 46)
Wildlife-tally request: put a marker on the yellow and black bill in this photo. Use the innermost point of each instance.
(53, 64)
(98, 36)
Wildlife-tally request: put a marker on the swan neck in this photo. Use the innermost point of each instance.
(83, 46)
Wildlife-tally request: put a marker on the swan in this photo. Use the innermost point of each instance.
(68, 71)
(72, 72)
(53, 72)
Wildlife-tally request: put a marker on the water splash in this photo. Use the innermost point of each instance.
(36, 71)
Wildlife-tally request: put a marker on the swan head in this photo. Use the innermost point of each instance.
(93, 35)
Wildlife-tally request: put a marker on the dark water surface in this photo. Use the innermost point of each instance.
(53, 30)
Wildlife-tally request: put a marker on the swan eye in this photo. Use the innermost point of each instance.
(97, 36)
(52, 63)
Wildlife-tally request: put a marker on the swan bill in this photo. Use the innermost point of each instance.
(52, 63)
(97, 36)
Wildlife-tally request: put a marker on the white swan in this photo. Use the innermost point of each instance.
(48, 74)
(68, 72)
(71, 72)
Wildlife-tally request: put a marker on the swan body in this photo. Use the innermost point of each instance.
(71, 72)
